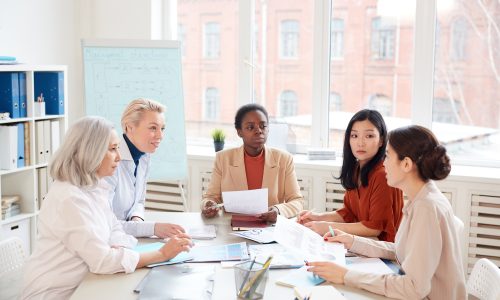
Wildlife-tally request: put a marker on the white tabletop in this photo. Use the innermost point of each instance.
(120, 286)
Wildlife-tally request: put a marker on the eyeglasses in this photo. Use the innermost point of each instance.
(252, 127)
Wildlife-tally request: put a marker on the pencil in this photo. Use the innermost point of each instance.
(331, 230)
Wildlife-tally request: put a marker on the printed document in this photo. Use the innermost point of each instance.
(249, 202)
(293, 235)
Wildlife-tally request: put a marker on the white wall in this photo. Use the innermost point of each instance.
(50, 32)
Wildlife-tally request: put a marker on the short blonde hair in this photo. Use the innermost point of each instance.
(134, 111)
(82, 151)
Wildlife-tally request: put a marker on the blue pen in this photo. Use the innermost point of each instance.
(331, 230)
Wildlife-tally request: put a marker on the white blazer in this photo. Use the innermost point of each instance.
(76, 230)
(129, 192)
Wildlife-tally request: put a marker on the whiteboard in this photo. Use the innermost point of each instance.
(118, 71)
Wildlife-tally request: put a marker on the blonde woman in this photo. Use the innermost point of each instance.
(143, 125)
(77, 231)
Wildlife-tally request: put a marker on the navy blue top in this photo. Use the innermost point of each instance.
(136, 153)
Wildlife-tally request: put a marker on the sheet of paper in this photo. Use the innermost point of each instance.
(181, 257)
(249, 202)
(368, 264)
(237, 251)
(259, 235)
(205, 232)
(283, 258)
(320, 292)
(293, 235)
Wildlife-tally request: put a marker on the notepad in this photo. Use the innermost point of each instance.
(181, 257)
(322, 292)
(300, 278)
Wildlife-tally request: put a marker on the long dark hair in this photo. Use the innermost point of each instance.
(347, 173)
(421, 146)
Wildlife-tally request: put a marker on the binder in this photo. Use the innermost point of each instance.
(39, 139)
(54, 135)
(23, 105)
(42, 185)
(27, 146)
(8, 152)
(51, 85)
(20, 145)
(46, 141)
(9, 93)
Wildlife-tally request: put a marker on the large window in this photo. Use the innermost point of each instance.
(211, 40)
(181, 36)
(313, 64)
(382, 39)
(212, 103)
(288, 104)
(289, 39)
(337, 40)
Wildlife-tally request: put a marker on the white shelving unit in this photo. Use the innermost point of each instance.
(24, 181)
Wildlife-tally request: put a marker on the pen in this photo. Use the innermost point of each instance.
(248, 274)
(331, 230)
(218, 205)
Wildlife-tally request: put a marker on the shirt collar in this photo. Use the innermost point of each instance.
(136, 153)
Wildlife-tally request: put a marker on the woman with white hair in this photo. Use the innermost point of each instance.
(77, 231)
(143, 127)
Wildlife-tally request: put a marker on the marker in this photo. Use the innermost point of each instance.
(331, 230)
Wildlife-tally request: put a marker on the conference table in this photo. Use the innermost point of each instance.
(121, 286)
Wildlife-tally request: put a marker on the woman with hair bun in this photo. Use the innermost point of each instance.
(427, 242)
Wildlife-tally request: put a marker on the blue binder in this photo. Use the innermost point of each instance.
(23, 105)
(9, 93)
(51, 85)
(20, 145)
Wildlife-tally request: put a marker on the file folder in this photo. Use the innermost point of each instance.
(39, 140)
(23, 105)
(51, 85)
(27, 146)
(9, 93)
(42, 185)
(20, 145)
(8, 152)
(46, 141)
(54, 135)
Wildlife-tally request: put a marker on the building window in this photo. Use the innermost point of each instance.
(382, 40)
(458, 39)
(335, 102)
(446, 111)
(211, 40)
(381, 103)
(289, 43)
(337, 39)
(181, 36)
(212, 103)
(288, 104)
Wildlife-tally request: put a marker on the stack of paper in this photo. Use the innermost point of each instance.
(10, 206)
(320, 154)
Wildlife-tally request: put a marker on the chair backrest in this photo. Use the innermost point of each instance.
(484, 280)
(12, 259)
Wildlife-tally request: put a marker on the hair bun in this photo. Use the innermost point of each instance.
(435, 164)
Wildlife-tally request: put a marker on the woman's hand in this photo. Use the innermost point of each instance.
(210, 209)
(320, 227)
(163, 230)
(328, 270)
(307, 216)
(269, 216)
(340, 237)
(176, 245)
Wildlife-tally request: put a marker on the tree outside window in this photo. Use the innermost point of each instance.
(289, 39)
(211, 40)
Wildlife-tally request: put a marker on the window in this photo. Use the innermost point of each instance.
(211, 40)
(288, 104)
(289, 39)
(458, 39)
(381, 103)
(181, 36)
(335, 102)
(382, 40)
(337, 39)
(446, 111)
(212, 101)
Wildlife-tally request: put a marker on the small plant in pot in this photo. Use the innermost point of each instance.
(218, 136)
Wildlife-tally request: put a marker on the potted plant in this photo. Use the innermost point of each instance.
(218, 136)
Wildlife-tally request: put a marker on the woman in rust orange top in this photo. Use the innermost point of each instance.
(371, 207)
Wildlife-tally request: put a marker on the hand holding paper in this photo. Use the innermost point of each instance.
(249, 202)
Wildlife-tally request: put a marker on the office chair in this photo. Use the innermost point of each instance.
(484, 280)
(12, 258)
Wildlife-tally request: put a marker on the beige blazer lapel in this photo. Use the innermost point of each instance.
(237, 170)
(271, 169)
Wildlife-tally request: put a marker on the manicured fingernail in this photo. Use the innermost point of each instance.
(325, 238)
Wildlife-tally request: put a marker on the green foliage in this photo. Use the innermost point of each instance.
(218, 135)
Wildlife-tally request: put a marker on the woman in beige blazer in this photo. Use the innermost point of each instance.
(253, 166)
